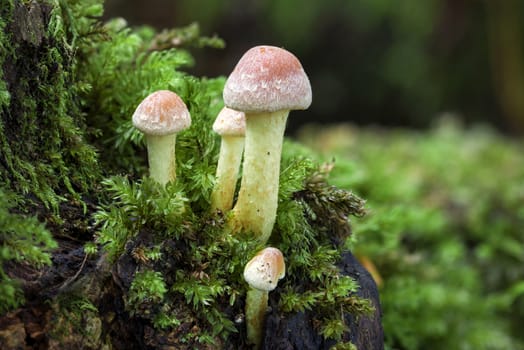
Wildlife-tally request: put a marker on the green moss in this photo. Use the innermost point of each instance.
(147, 287)
(344, 346)
(22, 240)
(44, 152)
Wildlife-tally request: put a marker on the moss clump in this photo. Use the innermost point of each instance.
(42, 125)
(46, 162)
(23, 240)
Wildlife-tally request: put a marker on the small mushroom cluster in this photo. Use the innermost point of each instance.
(264, 86)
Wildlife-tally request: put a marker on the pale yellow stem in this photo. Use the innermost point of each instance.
(161, 158)
(227, 172)
(256, 207)
(256, 308)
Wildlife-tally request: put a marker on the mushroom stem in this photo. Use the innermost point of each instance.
(256, 308)
(256, 207)
(229, 159)
(160, 116)
(161, 157)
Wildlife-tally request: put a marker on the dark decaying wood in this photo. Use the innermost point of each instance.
(39, 323)
(297, 331)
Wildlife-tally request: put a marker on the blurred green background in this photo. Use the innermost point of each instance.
(371, 61)
(445, 193)
(444, 233)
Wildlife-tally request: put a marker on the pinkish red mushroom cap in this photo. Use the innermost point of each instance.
(267, 79)
(161, 113)
(230, 123)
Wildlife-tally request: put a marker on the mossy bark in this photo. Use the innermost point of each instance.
(43, 151)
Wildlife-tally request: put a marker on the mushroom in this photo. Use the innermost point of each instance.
(262, 273)
(160, 116)
(231, 126)
(266, 84)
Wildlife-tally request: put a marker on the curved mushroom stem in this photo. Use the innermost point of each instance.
(256, 308)
(161, 157)
(229, 160)
(256, 207)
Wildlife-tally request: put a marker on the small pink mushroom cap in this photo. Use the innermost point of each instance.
(265, 270)
(161, 113)
(230, 123)
(267, 79)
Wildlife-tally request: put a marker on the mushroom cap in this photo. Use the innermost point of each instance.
(230, 123)
(161, 113)
(267, 79)
(265, 270)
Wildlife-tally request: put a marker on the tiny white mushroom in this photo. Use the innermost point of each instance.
(231, 126)
(262, 273)
(266, 84)
(160, 116)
